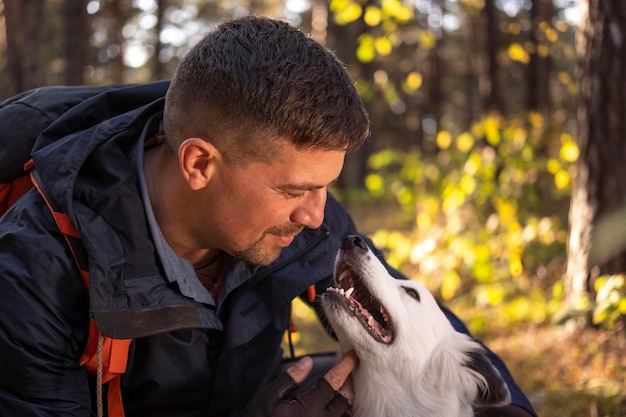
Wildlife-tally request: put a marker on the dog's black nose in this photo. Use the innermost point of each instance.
(353, 241)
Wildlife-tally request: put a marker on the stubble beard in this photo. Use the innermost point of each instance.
(257, 254)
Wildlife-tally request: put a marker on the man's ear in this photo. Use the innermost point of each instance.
(197, 158)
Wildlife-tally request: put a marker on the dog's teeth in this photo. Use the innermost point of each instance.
(343, 275)
(349, 292)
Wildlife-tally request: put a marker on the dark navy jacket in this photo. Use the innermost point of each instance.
(187, 358)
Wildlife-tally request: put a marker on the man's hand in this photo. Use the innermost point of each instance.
(331, 396)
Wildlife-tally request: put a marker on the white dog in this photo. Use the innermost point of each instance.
(412, 361)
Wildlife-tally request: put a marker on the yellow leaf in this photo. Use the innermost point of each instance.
(514, 28)
(427, 40)
(518, 53)
(454, 199)
(562, 179)
(449, 285)
(551, 35)
(506, 211)
(464, 142)
(491, 128)
(414, 80)
(543, 51)
(444, 139)
(600, 315)
(553, 166)
(375, 184)
(365, 52)
(423, 221)
(515, 265)
(348, 14)
(373, 16)
(397, 9)
(431, 206)
(569, 151)
(468, 184)
(383, 46)
(536, 119)
(564, 78)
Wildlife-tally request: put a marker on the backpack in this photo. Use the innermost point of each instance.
(104, 357)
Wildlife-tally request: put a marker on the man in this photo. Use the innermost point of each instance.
(202, 215)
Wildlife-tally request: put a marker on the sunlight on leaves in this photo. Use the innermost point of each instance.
(450, 285)
(543, 51)
(610, 300)
(569, 150)
(464, 142)
(490, 295)
(375, 184)
(426, 40)
(444, 139)
(383, 46)
(468, 184)
(398, 10)
(366, 51)
(515, 265)
(414, 80)
(518, 53)
(553, 166)
(373, 15)
(345, 11)
(491, 127)
(562, 179)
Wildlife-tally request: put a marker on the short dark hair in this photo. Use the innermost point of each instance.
(253, 80)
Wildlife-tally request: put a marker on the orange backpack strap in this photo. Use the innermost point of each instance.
(108, 365)
(104, 357)
(10, 192)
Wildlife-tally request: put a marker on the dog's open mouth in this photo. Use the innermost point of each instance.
(363, 304)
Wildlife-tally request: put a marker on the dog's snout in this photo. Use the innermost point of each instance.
(353, 241)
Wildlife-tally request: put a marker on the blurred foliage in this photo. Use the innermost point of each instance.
(610, 301)
(477, 229)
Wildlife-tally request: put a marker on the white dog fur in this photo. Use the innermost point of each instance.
(413, 363)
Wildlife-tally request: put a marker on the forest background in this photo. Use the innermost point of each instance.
(494, 173)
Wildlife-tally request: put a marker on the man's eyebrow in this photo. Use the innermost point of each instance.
(303, 187)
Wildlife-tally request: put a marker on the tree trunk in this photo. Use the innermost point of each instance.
(76, 40)
(597, 244)
(434, 72)
(490, 88)
(539, 66)
(158, 70)
(25, 27)
(117, 61)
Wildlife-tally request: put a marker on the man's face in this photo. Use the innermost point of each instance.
(259, 208)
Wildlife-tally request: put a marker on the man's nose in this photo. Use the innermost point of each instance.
(311, 212)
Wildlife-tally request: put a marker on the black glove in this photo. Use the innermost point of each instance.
(277, 400)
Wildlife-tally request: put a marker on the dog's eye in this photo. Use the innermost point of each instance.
(412, 292)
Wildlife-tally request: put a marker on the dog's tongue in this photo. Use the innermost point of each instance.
(377, 326)
(368, 310)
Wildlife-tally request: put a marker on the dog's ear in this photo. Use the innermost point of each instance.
(491, 387)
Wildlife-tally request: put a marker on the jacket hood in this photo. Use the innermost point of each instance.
(86, 166)
(107, 123)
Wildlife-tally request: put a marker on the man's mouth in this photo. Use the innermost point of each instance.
(366, 308)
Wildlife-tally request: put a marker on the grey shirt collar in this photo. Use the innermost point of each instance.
(176, 269)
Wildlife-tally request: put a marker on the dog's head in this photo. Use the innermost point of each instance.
(399, 331)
